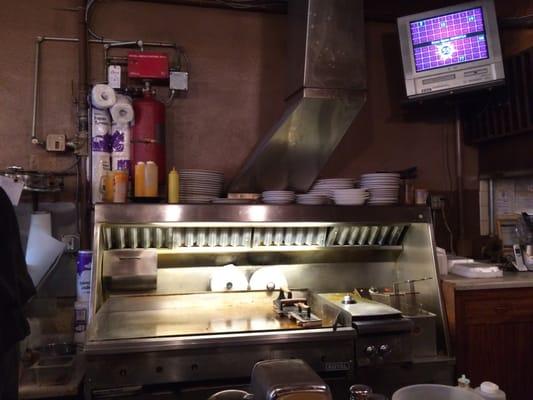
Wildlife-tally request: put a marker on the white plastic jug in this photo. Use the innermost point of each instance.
(490, 391)
(435, 392)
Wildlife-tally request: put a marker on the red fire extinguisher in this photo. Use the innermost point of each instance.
(148, 133)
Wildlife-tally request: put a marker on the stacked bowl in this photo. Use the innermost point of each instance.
(278, 197)
(383, 187)
(200, 186)
(325, 187)
(350, 197)
(311, 199)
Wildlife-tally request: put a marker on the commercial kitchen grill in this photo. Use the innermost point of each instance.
(153, 320)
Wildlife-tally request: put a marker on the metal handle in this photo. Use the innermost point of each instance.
(125, 258)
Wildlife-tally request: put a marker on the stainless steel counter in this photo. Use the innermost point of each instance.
(509, 280)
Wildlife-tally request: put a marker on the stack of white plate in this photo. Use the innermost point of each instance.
(311, 199)
(278, 197)
(325, 187)
(383, 187)
(200, 186)
(350, 197)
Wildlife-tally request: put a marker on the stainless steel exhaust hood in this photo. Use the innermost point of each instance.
(327, 89)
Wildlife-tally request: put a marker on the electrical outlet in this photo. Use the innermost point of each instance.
(72, 242)
(437, 202)
(178, 80)
(56, 142)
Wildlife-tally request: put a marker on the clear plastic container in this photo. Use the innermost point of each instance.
(490, 391)
(434, 392)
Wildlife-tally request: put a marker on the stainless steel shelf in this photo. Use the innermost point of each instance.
(257, 213)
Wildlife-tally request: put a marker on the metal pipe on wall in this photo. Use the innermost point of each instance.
(39, 41)
(459, 169)
(34, 138)
(82, 147)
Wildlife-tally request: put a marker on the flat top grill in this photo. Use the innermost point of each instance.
(135, 317)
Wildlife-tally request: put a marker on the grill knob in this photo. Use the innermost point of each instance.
(370, 351)
(384, 349)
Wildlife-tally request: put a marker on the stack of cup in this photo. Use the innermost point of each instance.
(83, 291)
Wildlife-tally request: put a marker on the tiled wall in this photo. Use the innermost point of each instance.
(512, 196)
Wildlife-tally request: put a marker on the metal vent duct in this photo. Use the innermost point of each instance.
(327, 89)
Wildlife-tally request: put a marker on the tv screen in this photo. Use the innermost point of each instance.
(451, 49)
(449, 39)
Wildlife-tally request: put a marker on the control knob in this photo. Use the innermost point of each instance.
(371, 351)
(384, 349)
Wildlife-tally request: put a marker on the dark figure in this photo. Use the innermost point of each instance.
(16, 288)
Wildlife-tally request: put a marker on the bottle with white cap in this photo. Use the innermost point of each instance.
(463, 382)
(491, 391)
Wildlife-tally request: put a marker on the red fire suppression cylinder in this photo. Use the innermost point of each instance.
(148, 133)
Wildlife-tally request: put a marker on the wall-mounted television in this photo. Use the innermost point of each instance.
(451, 49)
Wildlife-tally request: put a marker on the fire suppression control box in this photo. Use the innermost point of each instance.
(147, 65)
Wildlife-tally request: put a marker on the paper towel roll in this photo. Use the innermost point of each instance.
(101, 149)
(100, 130)
(122, 110)
(228, 278)
(43, 250)
(121, 147)
(268, 278)
(103, 96)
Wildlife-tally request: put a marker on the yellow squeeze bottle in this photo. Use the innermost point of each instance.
(173, 186)
(138, 184)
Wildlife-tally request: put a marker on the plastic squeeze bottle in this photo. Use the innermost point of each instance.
(173, 186)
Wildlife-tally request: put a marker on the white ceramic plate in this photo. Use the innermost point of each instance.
(381, 174)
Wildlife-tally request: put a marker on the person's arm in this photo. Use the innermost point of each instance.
(16, 286)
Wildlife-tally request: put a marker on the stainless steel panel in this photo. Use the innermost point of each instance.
(243, 215)
(326, 45)
(287, 379)
(130, 269)
(418, 260)
(276, 256)
(294, 152)
(327, 89)
(231, 358)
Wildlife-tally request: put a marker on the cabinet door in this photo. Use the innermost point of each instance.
(494, 338)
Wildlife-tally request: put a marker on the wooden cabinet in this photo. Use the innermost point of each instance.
(492, 336)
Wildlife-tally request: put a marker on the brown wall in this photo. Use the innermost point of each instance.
(236, 90)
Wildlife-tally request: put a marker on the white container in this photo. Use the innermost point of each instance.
(490, 391)
(434, 392)
(81, 312)
(442, 261)
(150, 179)
(83, 275)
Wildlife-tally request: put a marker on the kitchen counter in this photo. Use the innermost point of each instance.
(509, 280)
(490, 323)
